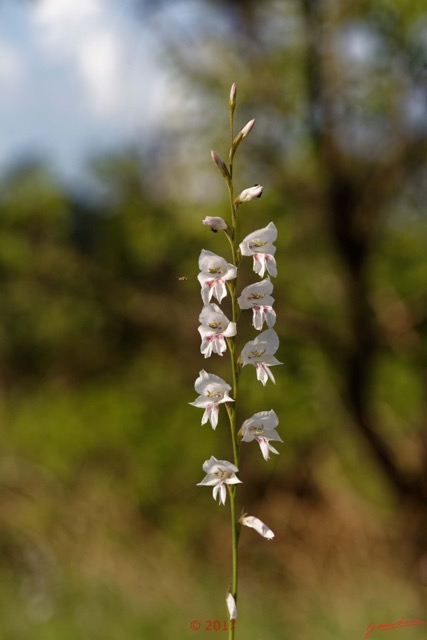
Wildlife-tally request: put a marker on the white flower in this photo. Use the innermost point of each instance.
(218, 474)
(258, 297)
(214, 328)
(231, 606)
(259, 244)
(260, 352)
(215, 223)
(262, 428)
(258, 525)
(214, 271)
(249, 194)
(213, 392)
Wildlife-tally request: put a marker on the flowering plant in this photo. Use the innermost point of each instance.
(217, 332)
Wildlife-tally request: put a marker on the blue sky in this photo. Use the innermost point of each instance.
(76, 76)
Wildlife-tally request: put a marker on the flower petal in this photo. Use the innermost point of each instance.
(270, 263)
(266, 447)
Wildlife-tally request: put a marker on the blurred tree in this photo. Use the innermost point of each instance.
(84, 282)
(340, 94)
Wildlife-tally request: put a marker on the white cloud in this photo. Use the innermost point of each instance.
(101, 62)
(11, 67)
(79, 76)
(61, 19)
(87, 36)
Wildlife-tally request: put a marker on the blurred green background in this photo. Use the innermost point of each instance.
(103, 532)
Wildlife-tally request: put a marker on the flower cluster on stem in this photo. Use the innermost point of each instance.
(218, 332)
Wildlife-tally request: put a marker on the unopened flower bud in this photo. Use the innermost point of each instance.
(241, 135)
(231, 606)
(250, 194)
(247, 128)
(215, 223)
(233, 93)
(220, 164)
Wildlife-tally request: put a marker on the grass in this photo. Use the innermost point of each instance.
(103, 534)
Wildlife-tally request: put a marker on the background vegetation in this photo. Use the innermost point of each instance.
(103, 533)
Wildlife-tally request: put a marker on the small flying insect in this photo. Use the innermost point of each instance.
(182, 278)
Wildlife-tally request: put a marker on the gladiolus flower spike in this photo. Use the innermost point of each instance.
(218, 329)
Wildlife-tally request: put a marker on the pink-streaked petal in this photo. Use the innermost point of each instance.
(263, 445)
(266, 447)
(261, 373)
(221, 345)
(220, 290)
(211, 415)
(206, 347)
(259, 264)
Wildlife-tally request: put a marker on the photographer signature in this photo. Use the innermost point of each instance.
(391, 625)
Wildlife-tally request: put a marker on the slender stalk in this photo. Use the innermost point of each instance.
(232, 420)
(235, 556)
(235, 374)
(224, 474)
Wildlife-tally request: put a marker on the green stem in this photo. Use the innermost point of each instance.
(231, 115)
(232, 419)
(231, 410)
(235, 541)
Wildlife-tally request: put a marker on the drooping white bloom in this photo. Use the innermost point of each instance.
(215, 223)
(258, 297)
(213, 391)
(214, 328)
(249, 194)
(218, 474)
(214, 271)
(231, 606)
(260, 352)
(259, 244)
(262, 428)
(258, 525)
